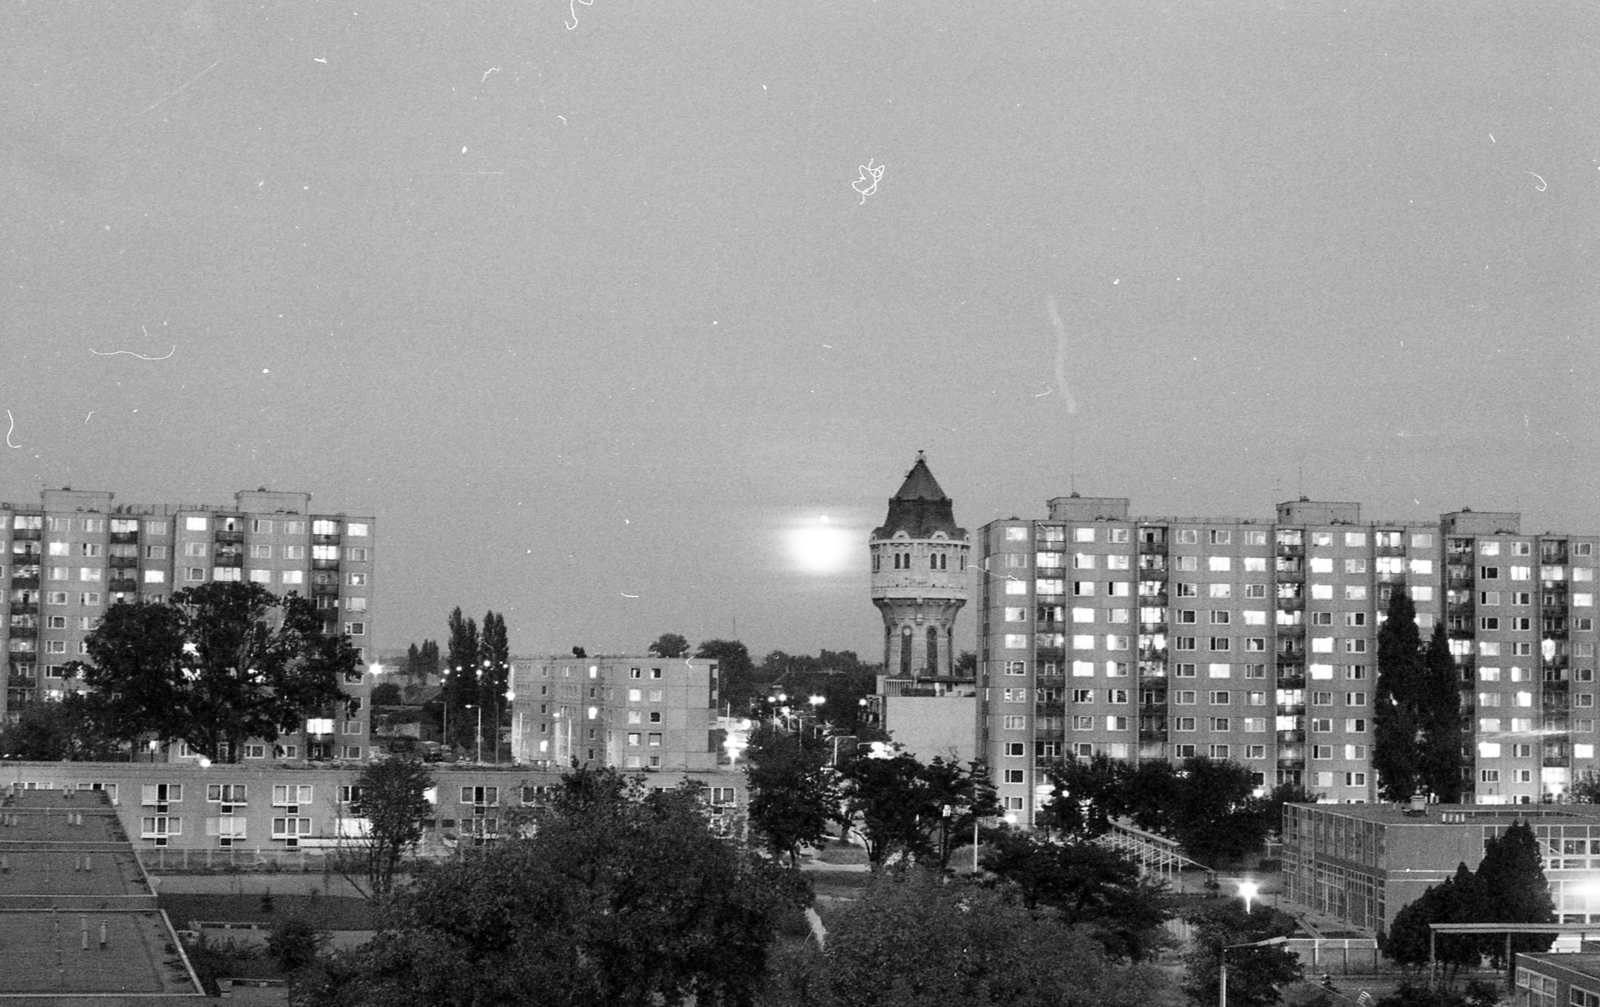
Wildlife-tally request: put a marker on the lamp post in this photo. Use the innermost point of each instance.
(1222, 958)
(479, 708)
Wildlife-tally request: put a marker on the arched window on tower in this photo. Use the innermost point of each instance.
(905, 652)
(933, 651)
(876, 562)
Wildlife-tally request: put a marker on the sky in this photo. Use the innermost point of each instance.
(601, 308)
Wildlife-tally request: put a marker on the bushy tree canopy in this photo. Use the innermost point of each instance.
(620, 896)
(216, 665)
(792, 791)
(1093, 888)
(913, 942)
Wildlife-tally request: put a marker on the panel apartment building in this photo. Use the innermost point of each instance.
(627, 713)
(1256, 641)
(64, 561)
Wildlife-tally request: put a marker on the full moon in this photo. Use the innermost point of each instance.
(818, 546)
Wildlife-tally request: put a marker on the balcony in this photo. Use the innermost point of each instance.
(320, 589)
(1291, 738)
(124, 537)
(228, 557)
(1152, 628)
(224, 537)
(16, 681)
(24, 632)
(1291, 603)
(324, 564)
(1390, 550)
(26, 581)
(27, 534)
(123, 585)
(122, 561)
(1153, 548)
(1291, 551)
(325, 540)
(1155, 600)
(1291, 630)
(24, 608)
(1291, 681)
(1153, 654)
(1291, 709)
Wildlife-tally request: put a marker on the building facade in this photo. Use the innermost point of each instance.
(258, 813)
(1557, 980)
(919, 577)
(627, 713)
(67, 559)
(1362, 864)
(1255, 640)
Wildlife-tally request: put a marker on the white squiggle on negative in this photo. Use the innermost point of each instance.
(868, 169)
(12, 427)
(1542, 184)
(130, 353)
(1061, 356)
(572, 6)
(196, 77)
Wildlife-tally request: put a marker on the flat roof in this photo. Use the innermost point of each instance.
(70, 875)
(1472, 814)
(1583, 963)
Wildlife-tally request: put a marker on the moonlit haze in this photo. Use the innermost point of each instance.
(626, 319)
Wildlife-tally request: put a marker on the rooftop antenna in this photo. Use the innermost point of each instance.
(1302, 485)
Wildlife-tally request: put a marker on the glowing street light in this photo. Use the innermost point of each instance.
(1247, 891)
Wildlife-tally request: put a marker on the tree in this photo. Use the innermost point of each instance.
(898, 805)
(669, 645)
(215, 666)
(1089, 794)
(1254, 974)
(461, 677)
(912, 942)
(494, 680)
(391, 796)
(1092, 887)
(1395, 726)
(387, 694)
(73, 729)
(792, 796)
(296, 942)
(620, 896)
(1439, 720)
(1458, 899)
(1513, 889)
(735, 671)
(1277, 797)
(966, 665)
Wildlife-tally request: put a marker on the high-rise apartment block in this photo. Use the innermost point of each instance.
(64, 561)
(628, 713)
(1256, 641)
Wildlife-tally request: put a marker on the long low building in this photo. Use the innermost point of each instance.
(292, 813)
(1363, 863)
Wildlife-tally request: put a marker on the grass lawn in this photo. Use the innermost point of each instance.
(835, 853)
(328, 912)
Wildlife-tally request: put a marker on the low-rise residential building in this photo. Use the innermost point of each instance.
(1363, 863)
(257, 814)
(627, 713)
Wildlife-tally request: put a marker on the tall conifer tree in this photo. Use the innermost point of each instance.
(1395, 726)
(1439, 719)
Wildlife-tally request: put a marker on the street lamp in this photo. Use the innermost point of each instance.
(479, 708)
(1248, 891)
(1222, 988)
